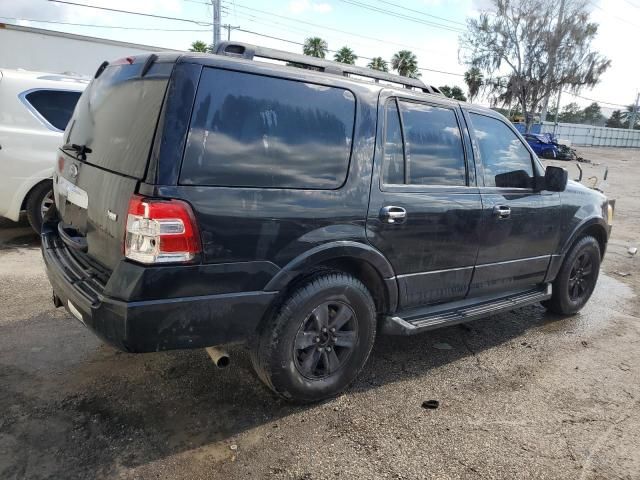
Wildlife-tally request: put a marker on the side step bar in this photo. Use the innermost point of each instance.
(411, 322)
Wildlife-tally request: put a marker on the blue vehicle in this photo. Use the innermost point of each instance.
(543, 144)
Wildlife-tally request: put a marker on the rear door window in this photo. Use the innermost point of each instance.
(54, 106)
(254, 131)
(435, 155)
(423, 145)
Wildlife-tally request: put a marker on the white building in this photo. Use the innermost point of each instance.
(56, 52)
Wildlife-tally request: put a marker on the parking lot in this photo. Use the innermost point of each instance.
(521, 395)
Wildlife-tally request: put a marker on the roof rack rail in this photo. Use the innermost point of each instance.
(248, 51)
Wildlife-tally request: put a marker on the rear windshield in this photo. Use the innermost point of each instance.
(117, 115)
(55, 106)
(255, 131)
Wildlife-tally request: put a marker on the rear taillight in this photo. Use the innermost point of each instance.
(160, 231)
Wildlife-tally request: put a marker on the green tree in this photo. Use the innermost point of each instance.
(615, 120)
(474, 79)
(454, 92)
(378, 63)
(405, 63)
(529, 54)
(200, 46)
(315, 47)
(345, 55)
(592, 114)
(571, 113)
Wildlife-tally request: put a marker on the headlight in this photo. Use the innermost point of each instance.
(609, 214)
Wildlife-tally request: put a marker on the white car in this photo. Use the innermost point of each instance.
(35, 108)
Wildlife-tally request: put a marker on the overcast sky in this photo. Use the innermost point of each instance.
(340, 22)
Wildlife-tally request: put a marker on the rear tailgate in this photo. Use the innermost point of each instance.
(107, 146)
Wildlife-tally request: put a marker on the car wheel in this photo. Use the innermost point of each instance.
(577, 278)
(39, 202)
(317, 342)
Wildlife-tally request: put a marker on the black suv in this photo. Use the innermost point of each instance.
(302, 207)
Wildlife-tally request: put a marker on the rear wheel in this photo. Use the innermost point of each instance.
(319, 340)
(39, 202)
(577, 278)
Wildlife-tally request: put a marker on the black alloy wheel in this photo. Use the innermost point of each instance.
(581, 278)
(325, 340)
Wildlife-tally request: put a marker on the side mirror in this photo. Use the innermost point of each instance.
(555, 179)
(514, 179)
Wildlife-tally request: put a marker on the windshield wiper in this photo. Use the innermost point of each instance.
(81, 150)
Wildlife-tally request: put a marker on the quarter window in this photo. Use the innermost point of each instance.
(55, 106)
(254, 131)
(506, 161)
(393, 163)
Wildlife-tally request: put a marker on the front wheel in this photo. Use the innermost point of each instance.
(577, 278)
(318, 341)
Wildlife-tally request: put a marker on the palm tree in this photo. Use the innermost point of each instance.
(454, 92)
(315, 47)
(627, 114)
(474, 79)
(406, 63)
(345, 55)
(200, 46)
(378, 63)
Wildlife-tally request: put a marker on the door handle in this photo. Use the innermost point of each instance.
(392, 214)
(502, 211)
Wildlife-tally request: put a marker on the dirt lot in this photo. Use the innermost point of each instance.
(522, 395)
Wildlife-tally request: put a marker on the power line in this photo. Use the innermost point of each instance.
(105, 26)
(189, 20)
(422, 13)
(334, 51)
(402, 16)
(613, 16)
(325, 27)
(209, 24)
(592, 100)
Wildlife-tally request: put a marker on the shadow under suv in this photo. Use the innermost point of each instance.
(212, 199)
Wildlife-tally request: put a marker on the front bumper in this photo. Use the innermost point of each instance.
(149, 325)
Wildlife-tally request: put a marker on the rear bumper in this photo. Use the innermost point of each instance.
(150, 325)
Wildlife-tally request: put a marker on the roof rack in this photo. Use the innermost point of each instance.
(245, 50)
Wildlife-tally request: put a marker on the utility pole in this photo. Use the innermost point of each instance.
(228, 27)
(216, 22)
(634, 114)
(555, 123)
(552, 60)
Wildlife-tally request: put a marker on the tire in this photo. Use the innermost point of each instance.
(299, 360)
(583, 264)
(39, 201)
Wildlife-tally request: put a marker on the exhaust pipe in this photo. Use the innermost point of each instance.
(219, 357)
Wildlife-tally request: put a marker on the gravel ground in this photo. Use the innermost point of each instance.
(522, 395)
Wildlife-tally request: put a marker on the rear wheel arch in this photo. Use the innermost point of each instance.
(33, 188)
(359, 260)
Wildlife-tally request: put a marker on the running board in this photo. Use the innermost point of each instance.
(415, 321)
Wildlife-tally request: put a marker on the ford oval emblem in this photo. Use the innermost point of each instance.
(73, 170)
